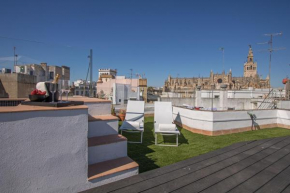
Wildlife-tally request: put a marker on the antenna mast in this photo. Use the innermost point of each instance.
(14, 48)
(223, 50)
(270, 42)
(131, 74)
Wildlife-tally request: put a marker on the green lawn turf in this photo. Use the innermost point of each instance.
(150, 156)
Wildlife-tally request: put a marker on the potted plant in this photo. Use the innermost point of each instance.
(122, 114)
(113, 111)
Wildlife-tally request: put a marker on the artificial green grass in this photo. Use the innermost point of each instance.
(150, 156)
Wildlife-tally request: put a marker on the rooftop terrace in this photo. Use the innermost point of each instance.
(253, 166)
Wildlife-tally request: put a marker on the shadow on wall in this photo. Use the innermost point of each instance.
(255, 125)
(3, 93)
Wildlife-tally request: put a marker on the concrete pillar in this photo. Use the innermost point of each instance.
(114, 94)
(198, 98)
(223, 99)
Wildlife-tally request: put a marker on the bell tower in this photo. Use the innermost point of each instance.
(250, 67)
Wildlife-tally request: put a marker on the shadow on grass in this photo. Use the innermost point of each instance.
(142, 153)
(171, 139)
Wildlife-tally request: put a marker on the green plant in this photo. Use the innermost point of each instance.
(113, 111)
(122, 111)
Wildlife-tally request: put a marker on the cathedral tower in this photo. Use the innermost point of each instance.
(250, 67)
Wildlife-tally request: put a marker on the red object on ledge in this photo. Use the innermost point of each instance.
(285, 80)
(38, 92)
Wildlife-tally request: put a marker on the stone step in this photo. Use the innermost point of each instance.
(112, 170)
(104, 148)
(101, 125)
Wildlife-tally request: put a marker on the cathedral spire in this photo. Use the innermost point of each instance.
(250, 54)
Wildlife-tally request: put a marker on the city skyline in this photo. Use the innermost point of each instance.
(152, 38)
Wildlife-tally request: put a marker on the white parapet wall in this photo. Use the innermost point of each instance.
(225, 122)
(43, 150)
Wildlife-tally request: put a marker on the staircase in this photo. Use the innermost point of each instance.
(107, 150)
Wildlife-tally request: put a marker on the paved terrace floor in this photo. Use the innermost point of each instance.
(254, 166)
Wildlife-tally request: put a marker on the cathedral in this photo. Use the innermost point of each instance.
(215, 81)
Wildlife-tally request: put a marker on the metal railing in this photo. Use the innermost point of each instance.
(269, 101)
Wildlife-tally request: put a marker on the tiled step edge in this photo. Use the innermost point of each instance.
(102, 118)
(110, 167)
(107, 139)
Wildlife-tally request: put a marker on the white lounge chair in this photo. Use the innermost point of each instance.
(134, 120)
(163, 121)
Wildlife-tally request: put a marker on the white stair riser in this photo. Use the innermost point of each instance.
(102, 128)
(99, 108)
(114, 177)
(107, 152)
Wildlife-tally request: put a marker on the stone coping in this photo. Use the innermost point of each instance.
(102, 118)
(182, 107)
(230, 131)
(28, 108)
(13, 99)
(87, 99)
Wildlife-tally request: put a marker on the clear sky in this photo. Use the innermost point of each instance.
(181, 37)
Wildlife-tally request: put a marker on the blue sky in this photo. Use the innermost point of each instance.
(158, 38)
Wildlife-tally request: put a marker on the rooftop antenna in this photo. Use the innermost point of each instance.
(270, 50)
(91, 72)
(131, 74)
(15, 58)
(85, 83)
(223, 51)
(90, 69)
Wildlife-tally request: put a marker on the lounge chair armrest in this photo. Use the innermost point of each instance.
(167, 127)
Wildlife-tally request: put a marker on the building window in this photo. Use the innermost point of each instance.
(219, 80)
(22, 69)
(31, 72)
(77, 92)
(51, 75)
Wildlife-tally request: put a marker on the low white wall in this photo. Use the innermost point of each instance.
(283, 104)
(283, 117)
(179, 101)
(44, 151)
(103, 108)
(240, 119)
(226, 120)
(195, 119)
